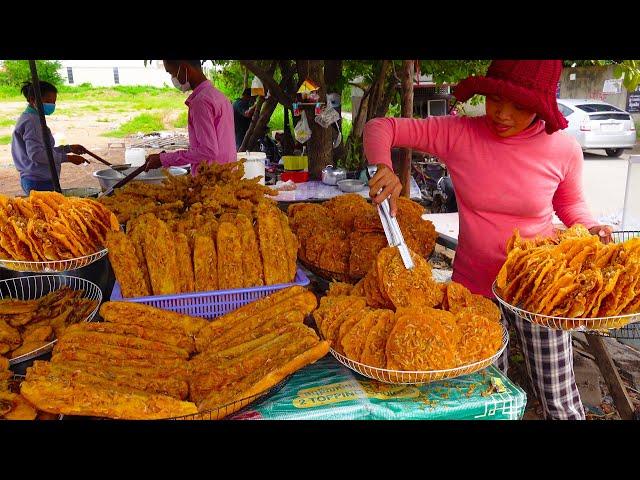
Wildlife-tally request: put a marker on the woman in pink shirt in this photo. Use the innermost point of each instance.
(511, 168)
(210, 121)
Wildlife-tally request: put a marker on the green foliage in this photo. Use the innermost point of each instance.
(7, 122)
(145, 123)
(452, 71)
(182, 120)
(5, 139)
(354, 158)
(628, 70)
(17, 71)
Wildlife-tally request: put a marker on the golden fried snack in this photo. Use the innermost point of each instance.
(456, 297)
(136, 233)
(9, 335)
(354, 340)
(373, 353)
(345, 327)
(28, 347)
(261, 380)
(334, 256)
(229, 257)
(205, 264)
(112, 339)
(15, 407)
(111, 376)
(346, 208)
(75, 397)
(160, 256)
(125, 265)
(358, 289)
(282, 299)
(291, 246)
(37, 333)
(252, 270)
(4, 364)
(201, 362)
(334, 329)
(115, 351)
(339, 288)
(185, 263)
(168, 337)
(481, 338)
(273, 245)
(330, 325)
(146, 316)
(422, 341)
(159, 365)
(331, 307)
(364, 248)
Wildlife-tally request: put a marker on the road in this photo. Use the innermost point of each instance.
(605, 182)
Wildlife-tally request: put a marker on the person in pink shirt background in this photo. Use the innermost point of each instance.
(210, 121)
(511, 168)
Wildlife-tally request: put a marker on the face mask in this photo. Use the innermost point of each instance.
(184, 87)
(49, 108)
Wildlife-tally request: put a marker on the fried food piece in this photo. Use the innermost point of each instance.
(364, 249)
(40, 333)
(185, 263)
(136, 233)
(481, 338)
(126, 266)
(291, 246)
(422, 341)
(339, 288)
(4, 364)
(261, 380)
(353, 342)
(346, 208)
(28, 347)
(116, 340)
(160, 256)
(358, 289)
(80, 398)
(348, 319)
(229, 257)
(205, 264)
(335, 256)
(114, 351)
(273, 245)
(9, 335)
(168, 337)
(373, 353)
(330, 325)
(330, 307)
(252, 270)
(146, 316)
(610, 275)
(278, 302)
(456, 297)
(111, 376)
(176, 365)
(15, 407)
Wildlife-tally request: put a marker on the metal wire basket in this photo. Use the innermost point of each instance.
(594, 324)
(624, 235)
(413, 377)
(36, 286)
(54, 265)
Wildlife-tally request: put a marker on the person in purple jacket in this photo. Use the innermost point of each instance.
(210, 120)
(27, 144)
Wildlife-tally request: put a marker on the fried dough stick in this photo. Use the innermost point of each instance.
(163, 367)
(251, 260)
(255, 327)
(225, 322)
(161, 260)
(261, 380)
(285, 346)
(112, 339)
(79, 398)
(146, 316)
(113, 351)
(184, 263)
(205, 263)
(229, 257)
(169, 337)
(126, 266)
(291, 247)
(172, 387)
(272, 245)
(202, 361)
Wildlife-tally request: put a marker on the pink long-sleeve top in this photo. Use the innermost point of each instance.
(211, 130)
(500, 183)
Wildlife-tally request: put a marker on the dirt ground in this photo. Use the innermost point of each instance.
(84, 129)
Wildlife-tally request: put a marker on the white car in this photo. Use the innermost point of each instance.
(597, 125)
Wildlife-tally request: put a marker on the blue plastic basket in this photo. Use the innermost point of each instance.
(210, 304)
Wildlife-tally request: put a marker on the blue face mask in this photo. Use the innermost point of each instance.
(49, 108)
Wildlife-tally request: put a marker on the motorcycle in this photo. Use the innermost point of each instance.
(435, 185)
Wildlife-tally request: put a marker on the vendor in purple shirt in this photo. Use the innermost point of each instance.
(27, 144)
(210, 121)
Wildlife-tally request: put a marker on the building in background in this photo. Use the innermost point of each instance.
(109, 73)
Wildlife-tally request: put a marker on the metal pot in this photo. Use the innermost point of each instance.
(332, 175)
(109, 177)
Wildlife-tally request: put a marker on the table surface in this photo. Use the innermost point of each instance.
(315, 190)
(327, 390)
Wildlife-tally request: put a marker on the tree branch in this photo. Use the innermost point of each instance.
(268, 81)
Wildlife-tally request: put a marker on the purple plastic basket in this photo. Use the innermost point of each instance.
(210, 304)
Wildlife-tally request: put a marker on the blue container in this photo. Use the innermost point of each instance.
(210, 304)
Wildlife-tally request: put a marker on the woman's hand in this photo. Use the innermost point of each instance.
(76, 159)
(385, 184)
(77, 149)
(152, 162)
(603, 232)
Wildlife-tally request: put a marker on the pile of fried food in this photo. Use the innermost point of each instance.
(13, 406)
(403, 320)
(146, 363)
(47, 226)
(217, 189)
(156, 257)
(341, 238)
(574, 275)
(27, 325)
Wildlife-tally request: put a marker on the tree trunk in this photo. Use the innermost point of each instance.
(319, 146)
(387, 98)
(407, 112)
(378, 89)
(252, 125)
(261, 125)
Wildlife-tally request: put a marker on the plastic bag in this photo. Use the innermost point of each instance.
(327, 117)
(302, 130)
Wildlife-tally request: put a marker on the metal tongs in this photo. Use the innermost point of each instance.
(390, 225)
